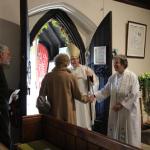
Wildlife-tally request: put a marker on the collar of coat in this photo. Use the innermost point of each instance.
(61, 69)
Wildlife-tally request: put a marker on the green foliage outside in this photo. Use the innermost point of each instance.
(144, 81)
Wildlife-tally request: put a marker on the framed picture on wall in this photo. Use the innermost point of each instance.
(136, 40)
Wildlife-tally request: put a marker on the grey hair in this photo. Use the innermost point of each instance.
(61, 60)
(123, 60)
(3, 47)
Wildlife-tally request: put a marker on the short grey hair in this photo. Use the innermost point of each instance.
(123, 60)
(61, 60)
(3, 47)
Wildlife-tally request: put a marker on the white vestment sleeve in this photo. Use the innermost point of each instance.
(133, 95)
(103, 93)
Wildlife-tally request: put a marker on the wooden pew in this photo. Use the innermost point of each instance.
(66, 136)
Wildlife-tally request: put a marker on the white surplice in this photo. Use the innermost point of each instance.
(85, 113)
(124, 125)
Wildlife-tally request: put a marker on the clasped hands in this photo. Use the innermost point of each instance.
(117, 107)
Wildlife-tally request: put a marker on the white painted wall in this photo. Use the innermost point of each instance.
(121, 14)
(92, 9)
(10, 35)
(10, 10)
(96, 10)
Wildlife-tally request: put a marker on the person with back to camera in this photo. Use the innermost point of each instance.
(124, 123)
(88, 83)
(5, 142)
(61, 88)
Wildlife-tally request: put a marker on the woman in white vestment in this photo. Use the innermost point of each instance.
(124, 123)
(85, 113)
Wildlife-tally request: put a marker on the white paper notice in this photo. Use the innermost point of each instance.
(100, 55)
(13, 94)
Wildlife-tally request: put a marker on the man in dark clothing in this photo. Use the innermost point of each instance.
(5, 56)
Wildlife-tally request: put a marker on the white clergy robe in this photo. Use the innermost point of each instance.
(85, 113)
(124, 125)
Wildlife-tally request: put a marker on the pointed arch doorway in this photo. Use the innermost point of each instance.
(50, 36)
(102, 37)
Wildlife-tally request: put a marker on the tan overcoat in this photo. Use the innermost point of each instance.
(61, 88)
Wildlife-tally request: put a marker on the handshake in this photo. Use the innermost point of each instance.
(88, 98)
(91, 98)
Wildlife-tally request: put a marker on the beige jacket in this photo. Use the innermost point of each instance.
(61, 88)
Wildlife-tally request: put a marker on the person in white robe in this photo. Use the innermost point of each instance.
(124, 123)
(85, 113)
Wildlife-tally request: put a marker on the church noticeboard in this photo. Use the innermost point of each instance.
(100, 55)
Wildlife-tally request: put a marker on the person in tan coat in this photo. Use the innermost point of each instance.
(61, 88)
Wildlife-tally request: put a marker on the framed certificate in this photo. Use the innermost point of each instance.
(136, 39)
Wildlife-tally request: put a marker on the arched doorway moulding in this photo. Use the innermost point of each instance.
(84, 22)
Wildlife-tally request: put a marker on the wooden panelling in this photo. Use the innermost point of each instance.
(67, 136)
(31, 128)
(81, 144)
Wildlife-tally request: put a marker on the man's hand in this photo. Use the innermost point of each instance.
(91, 98)
(88, 73)
(14, 96)
(117, 107)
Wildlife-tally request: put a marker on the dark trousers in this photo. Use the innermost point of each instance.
(4, 126)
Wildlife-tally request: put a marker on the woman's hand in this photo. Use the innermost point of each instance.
(117, 107)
